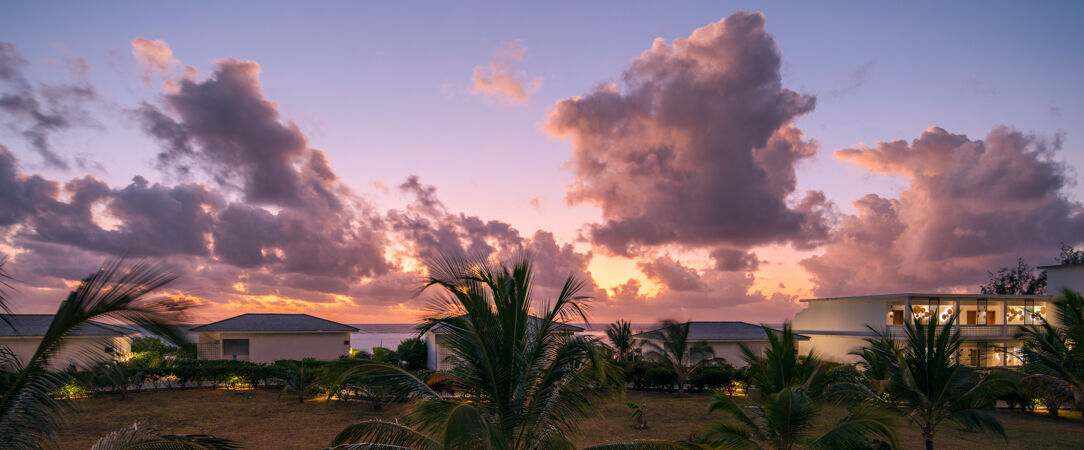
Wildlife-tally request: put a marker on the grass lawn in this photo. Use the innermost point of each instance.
(260, 419)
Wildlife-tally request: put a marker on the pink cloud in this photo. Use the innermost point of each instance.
(501, 80)
(153, 56)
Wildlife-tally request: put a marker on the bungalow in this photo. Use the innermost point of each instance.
(265, 338)
(440, 356)
(86, 345)
(724, 338)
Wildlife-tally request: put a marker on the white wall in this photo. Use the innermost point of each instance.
(80, 351)
(269, 347)
(1059, 277)
(832, 348)
(842, 315)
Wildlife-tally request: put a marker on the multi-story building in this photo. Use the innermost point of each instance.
(988, 323)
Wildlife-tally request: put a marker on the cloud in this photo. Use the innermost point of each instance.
(153, 56)
(501, 80)
(970, 206)
(39, 112)
(698, 147)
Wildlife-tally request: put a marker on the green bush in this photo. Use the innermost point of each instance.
(385, 355)
(413, 353)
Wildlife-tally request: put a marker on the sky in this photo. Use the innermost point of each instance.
(708, 160)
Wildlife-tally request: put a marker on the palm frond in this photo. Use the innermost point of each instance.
(383, 433)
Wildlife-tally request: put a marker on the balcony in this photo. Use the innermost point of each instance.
(970, 331)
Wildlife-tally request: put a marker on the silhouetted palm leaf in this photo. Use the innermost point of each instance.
(525, 382)
(28, 414)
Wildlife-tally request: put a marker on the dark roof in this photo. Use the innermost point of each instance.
(273, 322)
(1055, 266)
(719, 331)
(441, 328)
(38, 324)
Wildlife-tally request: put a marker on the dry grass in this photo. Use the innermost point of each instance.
(260, 419)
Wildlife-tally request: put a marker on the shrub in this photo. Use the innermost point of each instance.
(413, 353)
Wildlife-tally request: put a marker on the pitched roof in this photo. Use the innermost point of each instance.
(38, 324)
(273, 322)
(719, 331)
(441, 328)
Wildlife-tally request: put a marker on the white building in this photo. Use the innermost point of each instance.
(724, 338)
(440, 356)
(265, 338)
(837, 326)
(85, 346)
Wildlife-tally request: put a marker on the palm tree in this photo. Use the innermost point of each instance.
(28, 413)
(672, 348)
(620, 334)
(929, 384)
(1053, 355)
(298, 380)
(792, 397)
(877, 359)
(525, 383)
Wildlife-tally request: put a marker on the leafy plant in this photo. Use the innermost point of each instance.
(28, 413)
(928, 384)
(792, 397)
(413, 353)
(638, 417)
(670, 346)
(525, 382)
(139, 437)
(1053, 355)
(620, 335)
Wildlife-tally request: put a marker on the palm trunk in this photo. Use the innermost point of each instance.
(928, 434)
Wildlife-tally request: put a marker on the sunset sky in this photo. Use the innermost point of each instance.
(707, 160)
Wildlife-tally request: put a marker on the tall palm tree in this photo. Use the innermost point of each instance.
(930, 386)
(620, 335)
(1053, 354)
(792, 397)
(28, 414)
(525, 383)
(671, 346)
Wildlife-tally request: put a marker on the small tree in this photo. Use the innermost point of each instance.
(620, 335)
(413, 353)
(671, 347)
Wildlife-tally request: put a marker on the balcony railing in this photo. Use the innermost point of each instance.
(970, 331)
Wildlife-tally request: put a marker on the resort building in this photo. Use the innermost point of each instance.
(440, 357)
(988, 323)
(85, 346)
(724, 338)
(265, 338)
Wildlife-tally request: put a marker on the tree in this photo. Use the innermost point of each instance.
(299, 379)
(670, 346)
(1069, 255)
(791, 400)
(929, 385)
(413, 353)
(525, 383)
(1019, 280)
(28, 414)
(620, 335)
(1053, 355)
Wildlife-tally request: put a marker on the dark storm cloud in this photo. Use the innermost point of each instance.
(970, 206)
(39, 112)
(731, 260)
(697, 148)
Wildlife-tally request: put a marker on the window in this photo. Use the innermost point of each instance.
(895, 314)
(235, 347)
